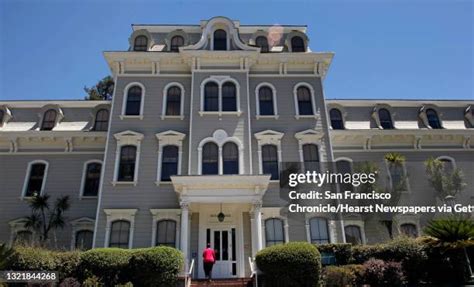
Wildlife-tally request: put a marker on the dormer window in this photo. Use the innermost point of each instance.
(2, 115)
(433, 119)
(220, 40)
(101, 120)
(262, 42)
(49, 120)
(141, 43)
(385, 119)
(176, 42)
(336, 119)
(297, 44)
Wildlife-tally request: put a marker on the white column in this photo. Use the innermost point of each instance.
(257, 207)
(184, 230)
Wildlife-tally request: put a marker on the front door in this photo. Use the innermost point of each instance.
(222, 240)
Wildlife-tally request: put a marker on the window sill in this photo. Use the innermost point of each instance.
(158, 183)
(258, 117)
(316, 116)
(87, 197)
(124, 117)
(114, 183)
(204, 113)
(164, 117)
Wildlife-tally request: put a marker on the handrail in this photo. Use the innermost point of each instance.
(253, 270)
(188, 274)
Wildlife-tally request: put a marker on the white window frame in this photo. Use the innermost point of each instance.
(315, 114)
(228, 34)
(358, 223)
(271, 213)
(7, 115)
(408, 219)
(18, 225)
(424, 117)
(120, 214)
(165, 214)
(220, 138)
(405, 174)
(309, 137)
(220, 81)
(79, 224)
(165, 101)
(124, 101)
(127, 138)
(268, 137)
(451, 159)
(331, 225)
(167, 138)
(42, 112)
(274, 99)
(27, 177)
(84, 173)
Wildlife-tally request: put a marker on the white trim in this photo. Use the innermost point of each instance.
(81, 224)
(46, 108)
(27, 177)
(451, 159)
(124, 101)
(120, 214)
(166, 214)
(309, 216)
(309, 136)
(220, 138)
(165, 102)
(227, 36)
(18, 225)
(167, 138)
(274, 213)
(274, 99)
(313, 101)
(83, 179)
(358, 223)
(268, 137)
(220, 81)
(127, 138)
(405, 174)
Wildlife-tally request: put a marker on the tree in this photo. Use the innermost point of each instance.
(445, 183)
(103, 90)
(43, 218)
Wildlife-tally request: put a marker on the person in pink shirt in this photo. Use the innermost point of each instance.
(208, 258)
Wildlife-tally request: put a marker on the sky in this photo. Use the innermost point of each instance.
(385, 49)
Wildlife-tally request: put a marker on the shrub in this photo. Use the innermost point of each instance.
(291, 264)
(27, 258)
(381, 273)
(70, 282)
(67, 263)
(157, 266)
(92, 281)
(107, 264)
(341, 251)
(346, 275)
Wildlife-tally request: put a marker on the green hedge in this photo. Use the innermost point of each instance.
(341, 251)
(107, 264)
(294, 264)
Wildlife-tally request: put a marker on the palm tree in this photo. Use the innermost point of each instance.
(446, 184)
(5, 252)
(43, 218)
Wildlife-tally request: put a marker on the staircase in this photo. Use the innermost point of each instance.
(233, 282)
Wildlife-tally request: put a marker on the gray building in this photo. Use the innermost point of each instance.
(201, 117)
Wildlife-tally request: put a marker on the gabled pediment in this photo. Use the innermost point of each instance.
(268, 134)
(170, 137)
(128, 134)
(309, 135)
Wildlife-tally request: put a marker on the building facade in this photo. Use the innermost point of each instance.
(188, 151)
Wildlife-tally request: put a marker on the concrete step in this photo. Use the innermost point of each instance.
(231, 282)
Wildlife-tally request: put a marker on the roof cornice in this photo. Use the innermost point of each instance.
(61, 103)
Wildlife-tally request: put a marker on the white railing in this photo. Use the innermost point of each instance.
(188, 274)
(254, 270)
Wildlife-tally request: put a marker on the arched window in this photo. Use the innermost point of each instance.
(220, 40)
(274, 233)
(409, 229)
(84, 239)
(119, 234)
(297, 44)
(210, 158)
(311, 157)
(211, 97)
(262, 42)
(305, 106)
(23, 237)
(385, 119)
(230, 158)
(319, 230)
(336, 119)
(173, 101)
(2, 114)
(101, 120)
(229, 97)
(353, 234)
(169, 163)
(141, 43)
(166, 233)
(36, 179)
(265, 98)
(134, 100)
(128, 155)
(270, 161)
(49, 120)
(433, 119)
(92, 179)
(176, 42)
(448, 165)
(344, 167)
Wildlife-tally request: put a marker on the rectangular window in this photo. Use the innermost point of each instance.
(35, 180)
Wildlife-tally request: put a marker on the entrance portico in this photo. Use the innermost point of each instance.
(234, 196)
